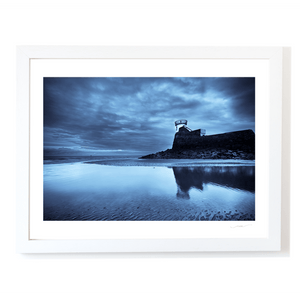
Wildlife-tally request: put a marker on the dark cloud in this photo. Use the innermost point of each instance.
(138, 114)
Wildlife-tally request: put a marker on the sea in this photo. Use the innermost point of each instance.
(126, 188)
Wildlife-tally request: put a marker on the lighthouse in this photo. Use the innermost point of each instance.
(183, 123)
(180, 123)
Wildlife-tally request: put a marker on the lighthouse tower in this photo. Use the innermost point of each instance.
(181, 123)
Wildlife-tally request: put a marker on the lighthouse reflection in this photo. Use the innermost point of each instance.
(240, 178)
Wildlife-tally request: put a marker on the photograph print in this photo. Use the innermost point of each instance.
(149, 149)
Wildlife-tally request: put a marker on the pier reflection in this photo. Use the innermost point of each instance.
(239, 177)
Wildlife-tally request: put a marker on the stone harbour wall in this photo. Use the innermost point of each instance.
(238, 140)
(189, 145)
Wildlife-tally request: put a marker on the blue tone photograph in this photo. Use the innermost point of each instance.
(149, 149)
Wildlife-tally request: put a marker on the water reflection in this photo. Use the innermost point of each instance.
(240, 177)
(77, 191)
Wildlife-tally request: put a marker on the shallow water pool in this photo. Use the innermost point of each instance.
(204, 192)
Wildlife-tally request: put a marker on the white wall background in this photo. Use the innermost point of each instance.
(143, 276)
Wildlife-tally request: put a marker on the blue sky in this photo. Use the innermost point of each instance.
(96, 116)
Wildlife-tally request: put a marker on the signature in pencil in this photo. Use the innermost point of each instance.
(240, 226)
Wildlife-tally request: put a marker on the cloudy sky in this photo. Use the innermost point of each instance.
(136, 115)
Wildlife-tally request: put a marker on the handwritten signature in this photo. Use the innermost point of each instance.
(240, 226)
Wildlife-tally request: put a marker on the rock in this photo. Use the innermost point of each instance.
(199, 154)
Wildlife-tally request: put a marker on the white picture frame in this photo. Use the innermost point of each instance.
(271, 242)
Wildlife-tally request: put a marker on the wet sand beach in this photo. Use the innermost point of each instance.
(118, 189)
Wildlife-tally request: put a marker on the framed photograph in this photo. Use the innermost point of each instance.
(148, 149)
